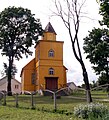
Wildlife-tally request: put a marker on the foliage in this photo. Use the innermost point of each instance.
(96, 44)
(94, 110)
(18, 31)
(94, 84)
(102, 79)
(104, 11)
(97, 49)
(5, 70)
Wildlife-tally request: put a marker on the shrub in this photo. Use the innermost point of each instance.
(95, 110)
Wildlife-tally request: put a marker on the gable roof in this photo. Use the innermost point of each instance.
(16, 80)
(26, 66)
(71, 83)
(4, 80)
(49, 28)
(65, 68)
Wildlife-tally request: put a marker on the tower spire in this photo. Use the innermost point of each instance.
(49, 28)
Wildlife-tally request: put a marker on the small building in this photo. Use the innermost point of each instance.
(72, 86)
(46, 70)
(15, 85)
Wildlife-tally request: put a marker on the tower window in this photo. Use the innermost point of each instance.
(51, 71)
(51, 53)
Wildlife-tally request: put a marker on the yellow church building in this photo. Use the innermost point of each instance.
(46, 70)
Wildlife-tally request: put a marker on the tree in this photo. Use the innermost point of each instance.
(97, 49)
(94, 84)
(5, 70)
(102, 80)
(104, 11)
(18, 31)
(96, 44)
(70, 12)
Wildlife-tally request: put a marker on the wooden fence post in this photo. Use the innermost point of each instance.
(17, 100)
(55, 106)
(1, 97)
(32, 101)
(4, 97)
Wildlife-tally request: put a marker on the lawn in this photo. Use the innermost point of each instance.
(10, 113)
(44, 106)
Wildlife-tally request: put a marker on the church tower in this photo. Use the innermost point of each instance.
(50, 73)
(49, 33)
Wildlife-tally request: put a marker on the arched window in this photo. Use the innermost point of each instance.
(51, 53)
(51, 71)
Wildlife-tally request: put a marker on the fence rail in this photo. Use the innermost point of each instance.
(31, 99)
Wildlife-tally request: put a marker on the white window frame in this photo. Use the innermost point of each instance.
(51, 71)
(51, 53)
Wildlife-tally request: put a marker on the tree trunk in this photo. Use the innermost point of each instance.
(107, 76)
(85, 75)
(86, 81)
(9, 76)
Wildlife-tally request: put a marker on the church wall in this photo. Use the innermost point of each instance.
(44, 72)
(27, 76)
(65, 77)
(49, 36)
(51, 62)
(57, 47)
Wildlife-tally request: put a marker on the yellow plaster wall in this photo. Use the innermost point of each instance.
(51, 62)
(37, 53)
(58, 72)
(22, 82)
(49, 36)
(45, 62)
(57, 46)
(65, 77)
(26, 76)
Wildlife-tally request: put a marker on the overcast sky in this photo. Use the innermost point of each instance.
(41, 9)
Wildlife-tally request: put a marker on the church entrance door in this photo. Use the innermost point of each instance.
(51, 83)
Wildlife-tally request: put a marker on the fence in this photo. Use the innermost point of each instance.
(33, 100)
(16, 98)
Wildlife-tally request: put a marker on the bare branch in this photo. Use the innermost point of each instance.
(60, 13)
(72, 14)
(79, 11)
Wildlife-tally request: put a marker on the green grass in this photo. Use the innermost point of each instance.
(9, 113)
(45, 106)
(44, 109)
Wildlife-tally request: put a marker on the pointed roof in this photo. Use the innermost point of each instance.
(26, 66)
(4, 80)
(49, 28)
